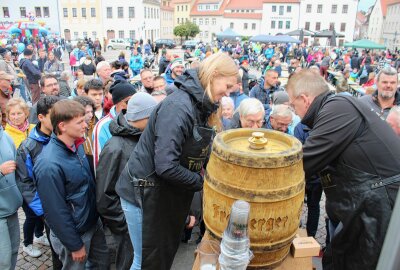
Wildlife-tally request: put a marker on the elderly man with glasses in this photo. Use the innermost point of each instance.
(250, 114)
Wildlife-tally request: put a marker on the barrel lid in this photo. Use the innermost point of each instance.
(280, 150)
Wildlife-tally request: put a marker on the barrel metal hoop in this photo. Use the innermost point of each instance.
(285, 158)
(256, 195)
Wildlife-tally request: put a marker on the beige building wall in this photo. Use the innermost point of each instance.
(80, 19)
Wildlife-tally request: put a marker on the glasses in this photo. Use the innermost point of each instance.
(52, 84)
(291, 103)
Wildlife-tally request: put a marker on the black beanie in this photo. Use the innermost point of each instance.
(121, 89)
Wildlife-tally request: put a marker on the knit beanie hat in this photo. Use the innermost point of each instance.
(177, 62)
(280, 97)
(121, 89)
(140, 106)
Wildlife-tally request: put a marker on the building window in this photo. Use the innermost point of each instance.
(22, 10)
(84, 12)
(272, 24)
(120, 12)
(215, 7)
(281, 9)
(131, 12)
(289, 9)
(308, 10)
(341, 42)
(273, 8)
(331, 26)
(46, 12)
(109, 12)
(307, 26)
(342, 27)
(319, 9)
(317, 26)
(287, 24)
(194, 20)
(206, 34)
(186, 7)
(345, 9)
(38, 12)
(145, 10)
(93, 12)
(76, 35)
(177, 8)
(280, 24)
(231, 25)
(207, 7)
(6, 12)
(253, 26)
(94, 34)
(177, 20)
(334, 9)
(121, 33)
(84, 34)
(132, 34)
(206, 21)
(65, 12)
(74, 13)
(245, 26)
(213, 21)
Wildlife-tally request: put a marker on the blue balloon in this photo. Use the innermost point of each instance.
(21, 47)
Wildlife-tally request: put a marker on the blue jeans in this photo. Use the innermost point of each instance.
(9, 241)
(134, 219)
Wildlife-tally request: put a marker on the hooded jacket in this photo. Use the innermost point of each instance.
(112, 161)
(160, 145)
(27, 155)
(31, 71)
(67, 190)
(136, 62)
(262, 94)
(10, 197)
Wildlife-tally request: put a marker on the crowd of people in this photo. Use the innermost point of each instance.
(120, 145)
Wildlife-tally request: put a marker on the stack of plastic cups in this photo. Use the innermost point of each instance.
(235, 244)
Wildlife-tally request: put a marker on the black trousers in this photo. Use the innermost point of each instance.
(314, 193)
(33, 225)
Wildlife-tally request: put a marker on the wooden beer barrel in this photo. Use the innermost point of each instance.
(271, 179)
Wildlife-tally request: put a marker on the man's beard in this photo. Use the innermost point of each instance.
(386, 95)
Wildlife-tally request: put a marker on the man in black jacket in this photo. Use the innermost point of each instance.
(126, 130)
(32, 73)
(386, 96)
(357, 156)
(164, 62)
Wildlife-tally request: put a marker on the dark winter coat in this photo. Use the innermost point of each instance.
(27, 154)
(31, 71)
(357, 156)
(112, 161)
(163, 64)
(67, 190)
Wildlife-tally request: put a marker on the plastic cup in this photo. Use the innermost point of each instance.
(209, 251)
(239, 219)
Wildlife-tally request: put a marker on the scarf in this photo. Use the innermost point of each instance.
(24, 127)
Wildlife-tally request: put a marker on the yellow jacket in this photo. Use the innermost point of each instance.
(17, 135)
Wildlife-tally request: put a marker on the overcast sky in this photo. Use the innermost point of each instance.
(365, 4)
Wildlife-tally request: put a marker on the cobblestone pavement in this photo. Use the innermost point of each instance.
(184, 258)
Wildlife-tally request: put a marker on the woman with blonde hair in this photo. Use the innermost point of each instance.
(164, 171)
(17, 127)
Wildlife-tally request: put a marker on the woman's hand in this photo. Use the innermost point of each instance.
(8, 167)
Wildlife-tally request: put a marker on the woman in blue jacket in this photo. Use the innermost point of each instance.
(10, 201)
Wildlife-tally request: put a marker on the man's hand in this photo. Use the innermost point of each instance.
(80, 255)
(191, 222)
(8, 167)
